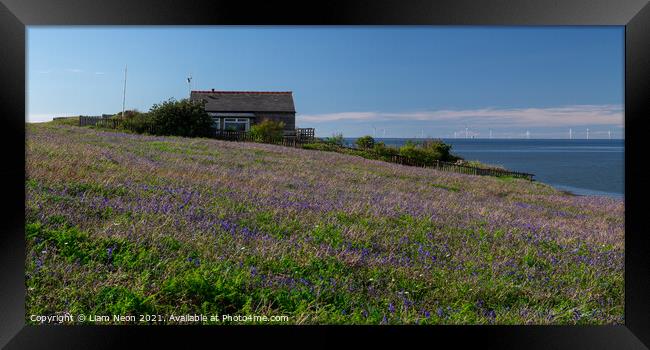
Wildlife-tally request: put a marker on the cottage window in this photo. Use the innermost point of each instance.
(216, 123)
(236, 124)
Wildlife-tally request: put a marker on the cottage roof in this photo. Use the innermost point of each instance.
(246, 101)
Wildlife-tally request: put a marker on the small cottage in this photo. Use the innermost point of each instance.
(239, 110)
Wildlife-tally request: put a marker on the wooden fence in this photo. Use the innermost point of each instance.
(453, 167)
(461, 168)
(244, 136)
(111, 123)
(306, 134)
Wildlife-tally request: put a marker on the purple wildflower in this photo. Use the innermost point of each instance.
(576, 315)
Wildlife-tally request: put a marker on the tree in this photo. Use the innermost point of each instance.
(181, 118)
(365, 142)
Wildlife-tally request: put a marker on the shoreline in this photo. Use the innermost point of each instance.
(585, 192)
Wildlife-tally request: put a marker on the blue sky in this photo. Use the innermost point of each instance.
(392, 81)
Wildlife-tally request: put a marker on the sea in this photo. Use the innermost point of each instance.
(592, 167)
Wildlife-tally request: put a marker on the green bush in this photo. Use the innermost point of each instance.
(427, 152)
(181, 118)
(336, 140)
(136, 121)
(477, 164)
(267, 130)
(439, 149)
(321, 146)
(365, 142)
(416, 153)
(384, 151)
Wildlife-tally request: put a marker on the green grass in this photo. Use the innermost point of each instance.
(130, 224)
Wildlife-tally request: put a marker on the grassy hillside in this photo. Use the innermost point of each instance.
(131, 224)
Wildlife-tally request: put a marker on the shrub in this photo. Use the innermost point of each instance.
(477, 164)
(365, 142)
(136, 121)
(384, 151)
(320, 146)
(267, 130)
(427, 152)
(181, 118)
(335, 139)
(439, 149)
(420, 156)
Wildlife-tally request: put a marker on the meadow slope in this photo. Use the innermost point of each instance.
(120, 223)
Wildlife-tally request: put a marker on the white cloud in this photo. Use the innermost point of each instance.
(100, 73)
(74, 70)
(548, 117)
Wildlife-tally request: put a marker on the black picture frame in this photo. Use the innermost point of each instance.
(15, 15)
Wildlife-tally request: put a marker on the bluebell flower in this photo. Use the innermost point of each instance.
(576, 315)
(491, 315)
(109, 252)
(391, 308)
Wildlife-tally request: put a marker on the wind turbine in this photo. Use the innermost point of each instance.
(587, 133)
(570, 134)
(490, 133)
(609, 134)
(527, 134)
(466, 133)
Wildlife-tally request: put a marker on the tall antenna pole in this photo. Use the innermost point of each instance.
(124, 92)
